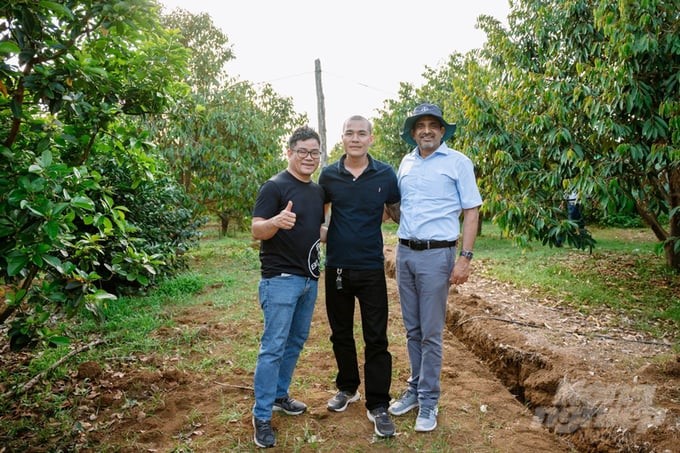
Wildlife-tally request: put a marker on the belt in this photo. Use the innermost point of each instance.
(418, 244)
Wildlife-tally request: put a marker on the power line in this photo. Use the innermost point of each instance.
(338, 76)
(291, 76)
(365, 85)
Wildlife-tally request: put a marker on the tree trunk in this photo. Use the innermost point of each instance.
(669, 238)
(672, 254)
(224, 223)
(672, 257)
(6, 313)
(26, 284)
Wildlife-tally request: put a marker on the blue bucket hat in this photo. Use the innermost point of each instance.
(426, 110)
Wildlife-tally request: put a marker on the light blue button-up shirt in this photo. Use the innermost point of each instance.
(434, 191)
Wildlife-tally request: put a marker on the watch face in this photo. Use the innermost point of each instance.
(467, 254)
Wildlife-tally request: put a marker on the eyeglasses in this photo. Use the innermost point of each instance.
(303, 153)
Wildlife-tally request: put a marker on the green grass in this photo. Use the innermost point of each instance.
(623, 274)
(224, 270)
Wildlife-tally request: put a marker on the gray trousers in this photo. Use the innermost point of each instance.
(423, 280)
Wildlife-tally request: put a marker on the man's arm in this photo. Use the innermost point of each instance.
(263, 229)
(392, 211)
(323, 234)
(461, 270)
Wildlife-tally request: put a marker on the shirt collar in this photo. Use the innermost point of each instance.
(443, 149)
(371, 164)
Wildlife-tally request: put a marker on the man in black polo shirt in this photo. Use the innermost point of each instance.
(358, 190)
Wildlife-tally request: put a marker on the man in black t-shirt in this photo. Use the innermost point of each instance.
(358, 190)
(287, 219)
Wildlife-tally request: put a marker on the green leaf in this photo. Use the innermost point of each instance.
(58, 341)
(51, 227)
(57, 8)
(34, 209)
(52, 261)
(16, 108)
(82, 203)
(17, 297)
(103, 295)
(45, 159)
(16, 263)
(7, 47)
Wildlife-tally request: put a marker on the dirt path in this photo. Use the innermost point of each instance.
(520, 375)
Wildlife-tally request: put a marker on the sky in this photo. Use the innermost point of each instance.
(365, 47)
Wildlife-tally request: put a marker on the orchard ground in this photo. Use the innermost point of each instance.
(521, 374)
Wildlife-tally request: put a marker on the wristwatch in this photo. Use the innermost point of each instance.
(467, 254)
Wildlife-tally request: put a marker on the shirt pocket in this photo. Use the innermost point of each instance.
(436, 184)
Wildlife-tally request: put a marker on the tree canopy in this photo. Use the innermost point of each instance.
(75, 169)
(227, 137)
(577, 95)
(119, 125)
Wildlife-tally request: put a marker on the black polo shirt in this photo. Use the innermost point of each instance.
(354, 235)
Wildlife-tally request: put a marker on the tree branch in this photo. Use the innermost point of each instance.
(242, 387)
(6, 313)
(35, 379)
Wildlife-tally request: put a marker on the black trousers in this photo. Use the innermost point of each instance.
(369, 287)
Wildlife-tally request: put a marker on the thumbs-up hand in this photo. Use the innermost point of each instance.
(285, 219)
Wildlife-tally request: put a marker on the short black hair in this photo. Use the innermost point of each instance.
(358, 118)
(303, 133)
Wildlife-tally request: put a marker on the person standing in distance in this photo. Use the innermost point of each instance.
(358, 191)
(287, 219)
(436, 183)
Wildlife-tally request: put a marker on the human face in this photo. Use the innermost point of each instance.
(356, 138)
(427, 133)
(303, 167)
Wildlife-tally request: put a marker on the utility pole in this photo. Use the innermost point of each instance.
(321, 111)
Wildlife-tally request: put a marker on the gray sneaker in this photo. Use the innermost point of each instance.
(382, 422)
(407, 401)
(342, 399)
(264, 434)
(427, 419)
(289, 406)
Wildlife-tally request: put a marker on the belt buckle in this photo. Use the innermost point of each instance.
(417, 244)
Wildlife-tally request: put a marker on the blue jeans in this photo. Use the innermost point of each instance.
(287, 303)
(423, 280)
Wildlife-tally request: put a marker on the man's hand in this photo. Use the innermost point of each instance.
(285, 219)
(461, 271)
(264, 229)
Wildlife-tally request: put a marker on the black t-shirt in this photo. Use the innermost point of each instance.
(294, 251)
(354, 235)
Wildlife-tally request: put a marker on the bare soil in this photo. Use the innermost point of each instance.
(520, 374)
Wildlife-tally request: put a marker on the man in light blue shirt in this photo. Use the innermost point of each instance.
(437, 184)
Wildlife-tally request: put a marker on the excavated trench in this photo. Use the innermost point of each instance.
(600, 417)
(592, 412)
